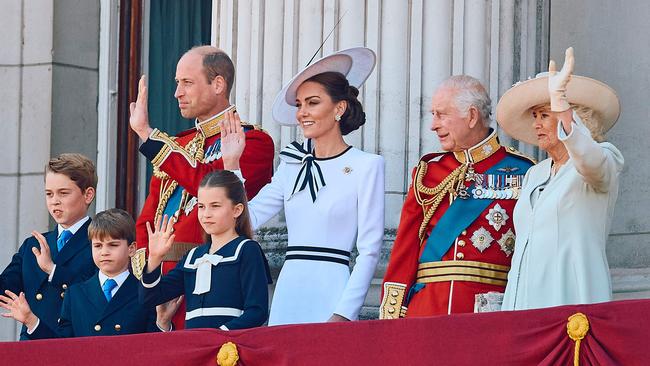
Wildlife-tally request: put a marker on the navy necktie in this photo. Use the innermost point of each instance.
(63, 238)
(108, 286)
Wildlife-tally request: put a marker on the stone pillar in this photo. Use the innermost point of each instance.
(49, 106)
(26, 68)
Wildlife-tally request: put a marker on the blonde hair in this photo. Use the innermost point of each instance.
(591, 120)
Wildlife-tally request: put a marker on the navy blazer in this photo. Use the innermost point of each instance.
(73, 264)
(86, 312)
(238, 296)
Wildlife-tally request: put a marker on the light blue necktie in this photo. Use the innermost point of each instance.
(63, 238)
(108, 286)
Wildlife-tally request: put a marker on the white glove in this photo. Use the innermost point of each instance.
(557, 82)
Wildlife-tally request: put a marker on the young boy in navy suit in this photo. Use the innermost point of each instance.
(46, 264)
(105, 304)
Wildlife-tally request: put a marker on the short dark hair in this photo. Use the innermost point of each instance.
(236, 193)
(77, 167)
(338, 88)
(113, 223)
(216, 62)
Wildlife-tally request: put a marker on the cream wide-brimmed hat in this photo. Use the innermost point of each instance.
(514, 113)
(355, 64)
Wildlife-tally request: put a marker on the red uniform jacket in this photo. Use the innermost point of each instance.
(477, 261)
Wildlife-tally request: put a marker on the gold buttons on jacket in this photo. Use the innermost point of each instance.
(39, 297)
(394, 293)
(98, 328)
(464, 232)
(62, 294)
(392, 301)
(64, 286)
(460, 255)
(118, 327)
(461, 243)
(391, 310)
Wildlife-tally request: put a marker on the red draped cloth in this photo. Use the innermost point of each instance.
(619, 334)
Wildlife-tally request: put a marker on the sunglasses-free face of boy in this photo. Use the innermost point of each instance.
(112, 256)
(66, 202)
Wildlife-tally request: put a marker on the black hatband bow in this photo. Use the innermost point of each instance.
(310, 175)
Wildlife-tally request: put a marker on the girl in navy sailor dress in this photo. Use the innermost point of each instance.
(225, 280)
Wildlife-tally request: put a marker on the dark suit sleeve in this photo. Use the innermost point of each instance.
(12, 277)
(156, 289)
(64, 329)
(151, 321)
(64, 274)
(254, 288)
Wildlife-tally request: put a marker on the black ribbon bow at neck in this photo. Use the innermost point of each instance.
(310, 174)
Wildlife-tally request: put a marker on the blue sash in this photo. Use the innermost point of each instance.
(461, 214)
(174, 202)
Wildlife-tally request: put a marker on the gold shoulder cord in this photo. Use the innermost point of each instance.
(450, 185)
(167, 186)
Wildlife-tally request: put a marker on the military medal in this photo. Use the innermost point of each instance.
(497, 217)
(213, 152)
(507, 242)
(481, 239)
(497, 186)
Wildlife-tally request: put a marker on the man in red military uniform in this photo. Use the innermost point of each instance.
(204, 77)
(456, 236)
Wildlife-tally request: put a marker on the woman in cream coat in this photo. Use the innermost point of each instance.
(564, 213)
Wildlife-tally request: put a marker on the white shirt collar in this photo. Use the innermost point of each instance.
(74, 228)
(120, 278)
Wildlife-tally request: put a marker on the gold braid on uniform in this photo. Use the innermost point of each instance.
(450, 185)
(194, 148)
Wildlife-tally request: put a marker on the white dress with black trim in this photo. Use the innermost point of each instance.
(330, 206)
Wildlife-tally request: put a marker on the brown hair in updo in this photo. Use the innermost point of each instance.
(338, 88)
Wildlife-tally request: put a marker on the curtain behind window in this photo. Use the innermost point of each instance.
(175, 27)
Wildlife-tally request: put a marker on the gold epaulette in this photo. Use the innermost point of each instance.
(513, 151)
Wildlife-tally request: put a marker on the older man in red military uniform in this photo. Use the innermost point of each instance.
(456, 236)
(204, 77)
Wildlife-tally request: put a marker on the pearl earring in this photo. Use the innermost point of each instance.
(337, 118)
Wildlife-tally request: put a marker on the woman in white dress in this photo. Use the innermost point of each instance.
(332, 193)
(563, 216)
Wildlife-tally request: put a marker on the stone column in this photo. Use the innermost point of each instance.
(26, 69)
(49, 105)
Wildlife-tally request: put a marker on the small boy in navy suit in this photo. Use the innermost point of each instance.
(105, 304)
(46, 264)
